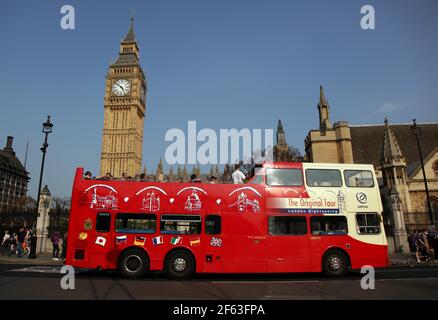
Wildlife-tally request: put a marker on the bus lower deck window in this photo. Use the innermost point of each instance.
(180, 224)
(327, 225)
(285, 225)
(212, 224)
(103, 222)
(135, 223)
(368, 223)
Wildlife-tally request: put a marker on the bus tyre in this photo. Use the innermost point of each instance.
(133, 263)
(334, 264)
(180, 265)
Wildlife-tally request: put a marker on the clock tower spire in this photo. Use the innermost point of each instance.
(124, 111)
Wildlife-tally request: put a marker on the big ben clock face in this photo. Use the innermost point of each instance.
(121, 87)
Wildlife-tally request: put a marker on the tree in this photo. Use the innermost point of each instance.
(30, 204)
(60, 204)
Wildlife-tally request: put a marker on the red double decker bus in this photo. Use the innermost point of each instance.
(290, 217)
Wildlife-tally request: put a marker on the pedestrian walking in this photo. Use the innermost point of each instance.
(21, 237)
(12, 244)
(64, 246)
(425, 248)
(5, 242)
(55, 241)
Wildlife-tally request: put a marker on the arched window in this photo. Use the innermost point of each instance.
(435, 167)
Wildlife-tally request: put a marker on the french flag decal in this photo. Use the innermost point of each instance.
(157, 240)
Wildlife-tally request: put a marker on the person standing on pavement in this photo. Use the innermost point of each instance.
(55, 241)
(12, 244)
(21, 237)
(5, 242)
(64, 246)
(415, 245)
(424, 244)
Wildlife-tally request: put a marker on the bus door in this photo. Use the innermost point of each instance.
(288, 243)
(244, 244)
(213, 247)
(101, 244)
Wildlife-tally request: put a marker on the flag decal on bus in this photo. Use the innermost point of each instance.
(121, 239)
(157, 240)
(216, 242)
(176, 240)
(195, 242)
(140, 241)
(101, 241)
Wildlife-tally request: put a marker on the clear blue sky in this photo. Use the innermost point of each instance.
(226, 64)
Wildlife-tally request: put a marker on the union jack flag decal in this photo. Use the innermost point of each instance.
(216, 242)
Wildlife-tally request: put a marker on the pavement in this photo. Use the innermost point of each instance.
(40, 260)
(396, 259)
(403, 259)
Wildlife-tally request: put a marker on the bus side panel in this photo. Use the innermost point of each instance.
(368, 254)
(360, 253)
(244, 242)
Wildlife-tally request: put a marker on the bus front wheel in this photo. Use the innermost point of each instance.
(180, 265)
(334, 264)
(133, 263)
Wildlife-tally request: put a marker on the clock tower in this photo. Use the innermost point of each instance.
(124, 111)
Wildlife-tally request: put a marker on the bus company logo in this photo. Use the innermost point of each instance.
(361, 197)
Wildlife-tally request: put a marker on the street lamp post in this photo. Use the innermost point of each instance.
(416, 130)
(47, 128)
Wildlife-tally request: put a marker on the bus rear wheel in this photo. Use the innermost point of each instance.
(334, 264)
(133, 263)
(180, 265)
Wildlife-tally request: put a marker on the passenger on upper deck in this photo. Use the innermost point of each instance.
(87, 175)
(194, 179)
(238, 175)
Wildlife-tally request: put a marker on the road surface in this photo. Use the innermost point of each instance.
(43, 282)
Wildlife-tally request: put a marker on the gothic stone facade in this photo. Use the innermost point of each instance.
(393, 151)
(13, 180)
(330, 143)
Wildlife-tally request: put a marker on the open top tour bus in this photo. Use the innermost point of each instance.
(290, 217)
